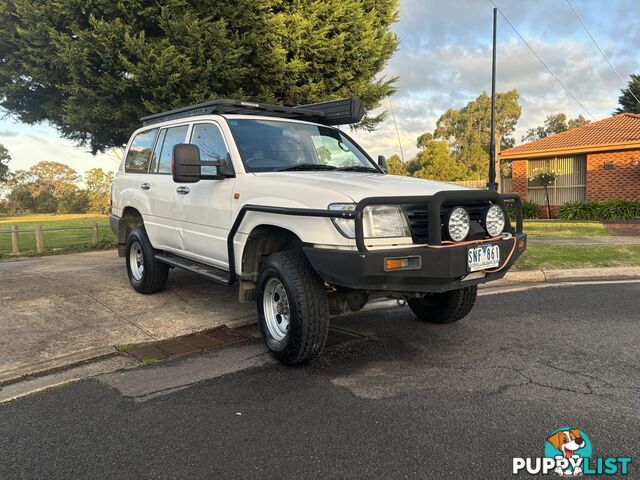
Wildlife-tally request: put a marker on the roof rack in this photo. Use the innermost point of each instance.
(335, 112)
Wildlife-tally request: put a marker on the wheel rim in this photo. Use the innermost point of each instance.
(276, 309)
(136, 261)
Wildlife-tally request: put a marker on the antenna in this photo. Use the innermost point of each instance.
(491, 184)
(397, 131)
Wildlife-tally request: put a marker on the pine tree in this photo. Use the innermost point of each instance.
(628, 102)
(93, 68)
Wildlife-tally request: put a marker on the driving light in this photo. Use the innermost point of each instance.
(378, 221)
(494, 220)
(459, 224)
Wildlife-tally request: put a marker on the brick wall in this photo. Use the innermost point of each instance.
(621, 181)
(519, 180)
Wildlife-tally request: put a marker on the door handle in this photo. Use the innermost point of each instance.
(183, 190)
(145, 186)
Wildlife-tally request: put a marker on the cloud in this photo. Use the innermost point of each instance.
(444, 61)
(28, 149)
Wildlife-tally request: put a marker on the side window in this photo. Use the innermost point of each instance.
(155, 155)
(139, 152)
(208, 138)
(172, 137)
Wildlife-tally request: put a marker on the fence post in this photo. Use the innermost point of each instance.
(96, 234)
(39, 239)
(15, 244)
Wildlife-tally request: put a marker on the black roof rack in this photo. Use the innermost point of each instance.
(335, 112)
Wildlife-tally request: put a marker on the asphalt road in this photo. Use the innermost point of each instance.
(402, 399)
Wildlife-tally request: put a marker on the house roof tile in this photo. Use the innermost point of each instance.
(617, 132)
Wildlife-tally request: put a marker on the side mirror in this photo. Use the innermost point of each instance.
(382, 162)
(187, 166)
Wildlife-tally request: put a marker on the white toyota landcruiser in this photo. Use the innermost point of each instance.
(281, 201)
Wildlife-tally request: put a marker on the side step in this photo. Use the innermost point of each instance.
(212, 273)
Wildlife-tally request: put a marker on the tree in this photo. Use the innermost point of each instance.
(471, 125)
(93, 68)
(476, 159)
(5, 158)
(395, 166)
(545, 177)
(56, 178)
(436, 162)
(46, 187)
(98, 189)
(629, 103)
(554, 123)
(424, 139)
(577, 122)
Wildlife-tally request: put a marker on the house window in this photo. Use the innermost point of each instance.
(570, 186)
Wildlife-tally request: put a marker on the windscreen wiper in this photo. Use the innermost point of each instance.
(307, 166)
(358, 168)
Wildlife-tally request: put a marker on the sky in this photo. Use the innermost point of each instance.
(444, 61)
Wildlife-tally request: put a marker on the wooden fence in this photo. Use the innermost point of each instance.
(15, 232)
(482, 184)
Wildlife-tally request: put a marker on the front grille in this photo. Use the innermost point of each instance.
(418, 216)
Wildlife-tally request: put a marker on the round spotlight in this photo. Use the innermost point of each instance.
(458, 224)
(494, 220)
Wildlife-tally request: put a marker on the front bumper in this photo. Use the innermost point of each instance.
(441, 269)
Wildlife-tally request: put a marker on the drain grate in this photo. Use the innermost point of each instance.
(185, 345)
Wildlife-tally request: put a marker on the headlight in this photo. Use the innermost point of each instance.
(378, 221)
(458, 224)
(494, 220)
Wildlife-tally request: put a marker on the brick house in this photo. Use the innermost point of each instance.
(598, 161)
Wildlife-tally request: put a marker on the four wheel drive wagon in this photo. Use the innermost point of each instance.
(283, 202)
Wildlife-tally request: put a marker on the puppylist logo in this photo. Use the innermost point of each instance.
(567, 453)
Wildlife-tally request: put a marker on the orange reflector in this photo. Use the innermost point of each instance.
(236, 196)
(521, 244)
(395, 263)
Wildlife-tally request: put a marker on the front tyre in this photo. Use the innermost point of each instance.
(146, 274)
(446, 307)
(292, 307)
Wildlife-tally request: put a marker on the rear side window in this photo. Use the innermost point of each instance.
(208, 138)
(172, 137)
(140, 152)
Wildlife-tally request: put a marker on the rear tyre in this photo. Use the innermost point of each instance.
(146, 274)
(447, 307)
(293, 308)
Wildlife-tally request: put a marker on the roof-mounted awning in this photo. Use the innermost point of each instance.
(334, 112)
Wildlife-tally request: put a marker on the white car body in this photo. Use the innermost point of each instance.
(301, 218)
(196, 225)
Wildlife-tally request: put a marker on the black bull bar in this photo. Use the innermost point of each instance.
(434, 205)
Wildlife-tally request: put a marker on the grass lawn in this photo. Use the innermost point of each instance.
(572, 256)
(57, 241)
(565, 229)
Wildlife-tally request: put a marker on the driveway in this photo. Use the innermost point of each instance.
(62, 309)
(392, 398)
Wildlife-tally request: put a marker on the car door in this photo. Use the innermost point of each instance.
(204, 207)
(138, 186)
(161, 225)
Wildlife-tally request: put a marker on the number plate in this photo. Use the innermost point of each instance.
(486, 256)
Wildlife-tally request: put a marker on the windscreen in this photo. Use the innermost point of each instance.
(274, 145)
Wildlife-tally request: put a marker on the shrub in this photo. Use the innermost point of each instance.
(529, 210)
(601, 210)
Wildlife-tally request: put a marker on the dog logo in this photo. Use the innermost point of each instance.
(568, 453)
(570, 444)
